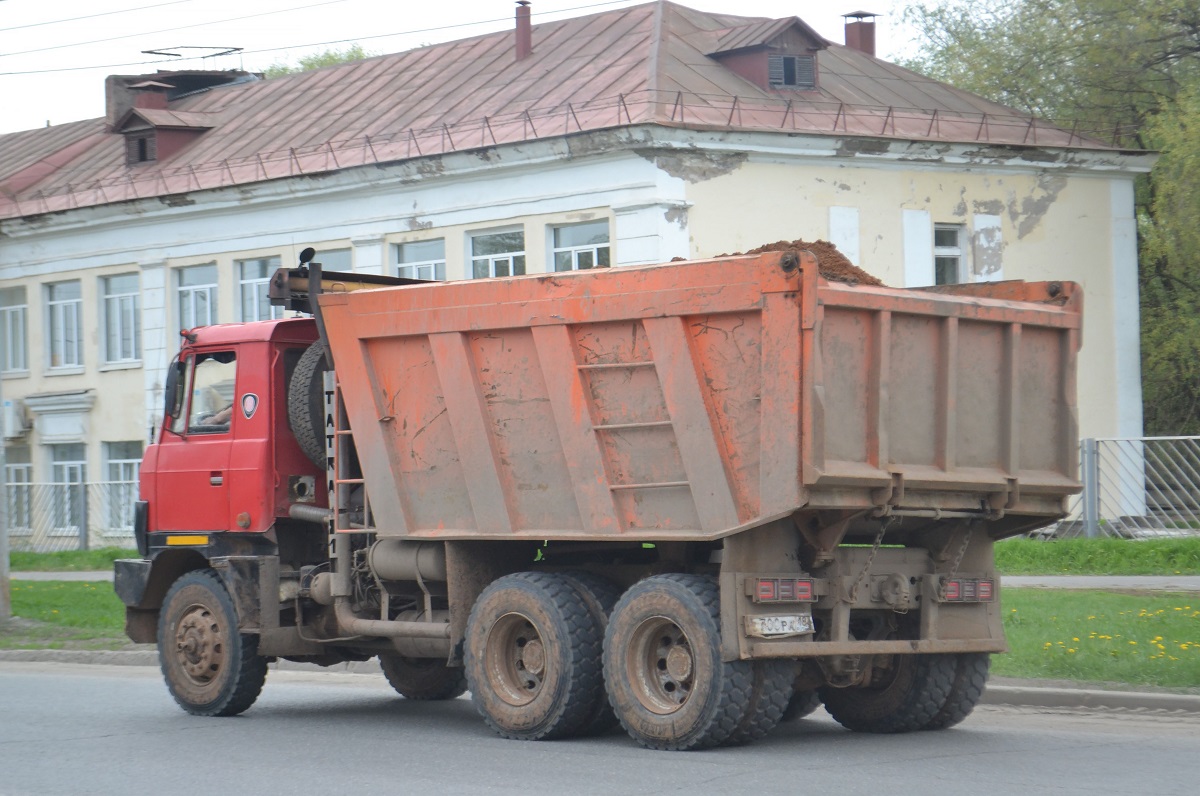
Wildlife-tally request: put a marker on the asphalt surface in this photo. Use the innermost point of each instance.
(1017, 693)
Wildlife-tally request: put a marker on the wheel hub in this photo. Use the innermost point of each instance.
(198, 644)
(662, 664)
(516, 659)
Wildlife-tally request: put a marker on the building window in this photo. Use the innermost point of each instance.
(64, 303)
(197, 296)
(335, 260)
(422, 259)
(140, 148)
(581, 246)
(792, 71)
(122, 461)
(255, 281)
(69, 474)
(18, 481)
(13, 358)
(498, 254)
(948, 254)
(122, 322)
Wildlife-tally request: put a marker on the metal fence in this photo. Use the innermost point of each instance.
(48, 517)
(1136, 488)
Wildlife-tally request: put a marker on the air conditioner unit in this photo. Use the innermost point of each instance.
(14, 418)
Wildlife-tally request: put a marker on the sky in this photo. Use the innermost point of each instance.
(55, 54)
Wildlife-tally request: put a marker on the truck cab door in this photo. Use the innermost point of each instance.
(194, 452)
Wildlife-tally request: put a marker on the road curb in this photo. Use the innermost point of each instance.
(1001, 695)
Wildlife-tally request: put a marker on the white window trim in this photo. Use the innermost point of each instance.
(14, 319)
(121, 302)
(260, 285)
(57, 312)
(411, 269)
(116, 492)
(492, 259)
(959, 251)
(19, 478)
(190, 291)
(61, 479)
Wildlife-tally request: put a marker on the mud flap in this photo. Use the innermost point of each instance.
(253, 584)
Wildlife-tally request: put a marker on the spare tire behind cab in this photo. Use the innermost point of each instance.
(306, 403)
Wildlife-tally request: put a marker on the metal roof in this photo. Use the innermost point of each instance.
(646, 64)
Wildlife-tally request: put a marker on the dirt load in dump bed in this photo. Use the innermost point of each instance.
(832, 263)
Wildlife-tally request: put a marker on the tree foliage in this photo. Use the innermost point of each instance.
(354, 52)
(1106, 67)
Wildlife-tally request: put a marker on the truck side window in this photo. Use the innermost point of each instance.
(213, 383)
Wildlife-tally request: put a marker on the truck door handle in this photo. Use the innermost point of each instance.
(216, 478)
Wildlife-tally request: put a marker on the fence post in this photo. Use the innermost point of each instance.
(82, 496)
(1091, 488)
(5, 593)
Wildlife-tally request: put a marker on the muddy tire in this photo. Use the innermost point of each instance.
(599, 595)
(803, 703)
(904, 697)
(424, 679)
(210, 668)
(666, 680)
(769, 698)
(533, 657)
(970, 678)
(306, 403)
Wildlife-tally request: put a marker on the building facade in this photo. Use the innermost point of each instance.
(97, 278)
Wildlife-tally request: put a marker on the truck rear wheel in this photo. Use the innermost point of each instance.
(769, 698)
(663, 668)
(211, 669)
(802, 703)
(599, 595)
(306, 403)
(426, 679)
(533, 657)
(970, 678)
(904, 697)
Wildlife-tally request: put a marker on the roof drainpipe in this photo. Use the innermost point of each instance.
(524, 31)
(860, 31)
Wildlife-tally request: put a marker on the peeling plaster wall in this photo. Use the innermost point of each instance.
(1021, 225)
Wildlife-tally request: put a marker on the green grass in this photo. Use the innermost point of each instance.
(69, 560)
(1099, 557)
(55, 614)
(1101, 637)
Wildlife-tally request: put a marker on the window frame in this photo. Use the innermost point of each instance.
(957, 252)
(211, 288)
(121, 488)
(65, 523)
(261, 287)
(18, 491)
(61, 313)
(436, 267)
(575, 251)
(14, 325)
(493, 259)
(777, 68)
(125, 308)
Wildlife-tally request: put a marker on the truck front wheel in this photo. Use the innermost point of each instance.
(905, 696)
(211, 669)
(662, 664)
(533, 657)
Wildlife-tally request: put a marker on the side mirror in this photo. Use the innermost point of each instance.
(174, 390)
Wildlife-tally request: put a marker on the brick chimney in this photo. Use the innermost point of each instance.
(151, 94)
(860, 31)
(524, 31)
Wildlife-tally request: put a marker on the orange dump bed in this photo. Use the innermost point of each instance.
(690, 400)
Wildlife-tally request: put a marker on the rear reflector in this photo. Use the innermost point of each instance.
(784, 590)
(968, 590)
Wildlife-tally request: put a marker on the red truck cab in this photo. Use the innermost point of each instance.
(226, 460)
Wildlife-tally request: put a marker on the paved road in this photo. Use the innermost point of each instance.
(102, 730)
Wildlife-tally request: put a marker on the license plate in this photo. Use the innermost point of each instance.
(776, 626)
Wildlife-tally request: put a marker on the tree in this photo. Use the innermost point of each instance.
(354, 52)
(1122, 72)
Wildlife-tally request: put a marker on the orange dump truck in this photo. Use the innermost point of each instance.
(693, 499)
